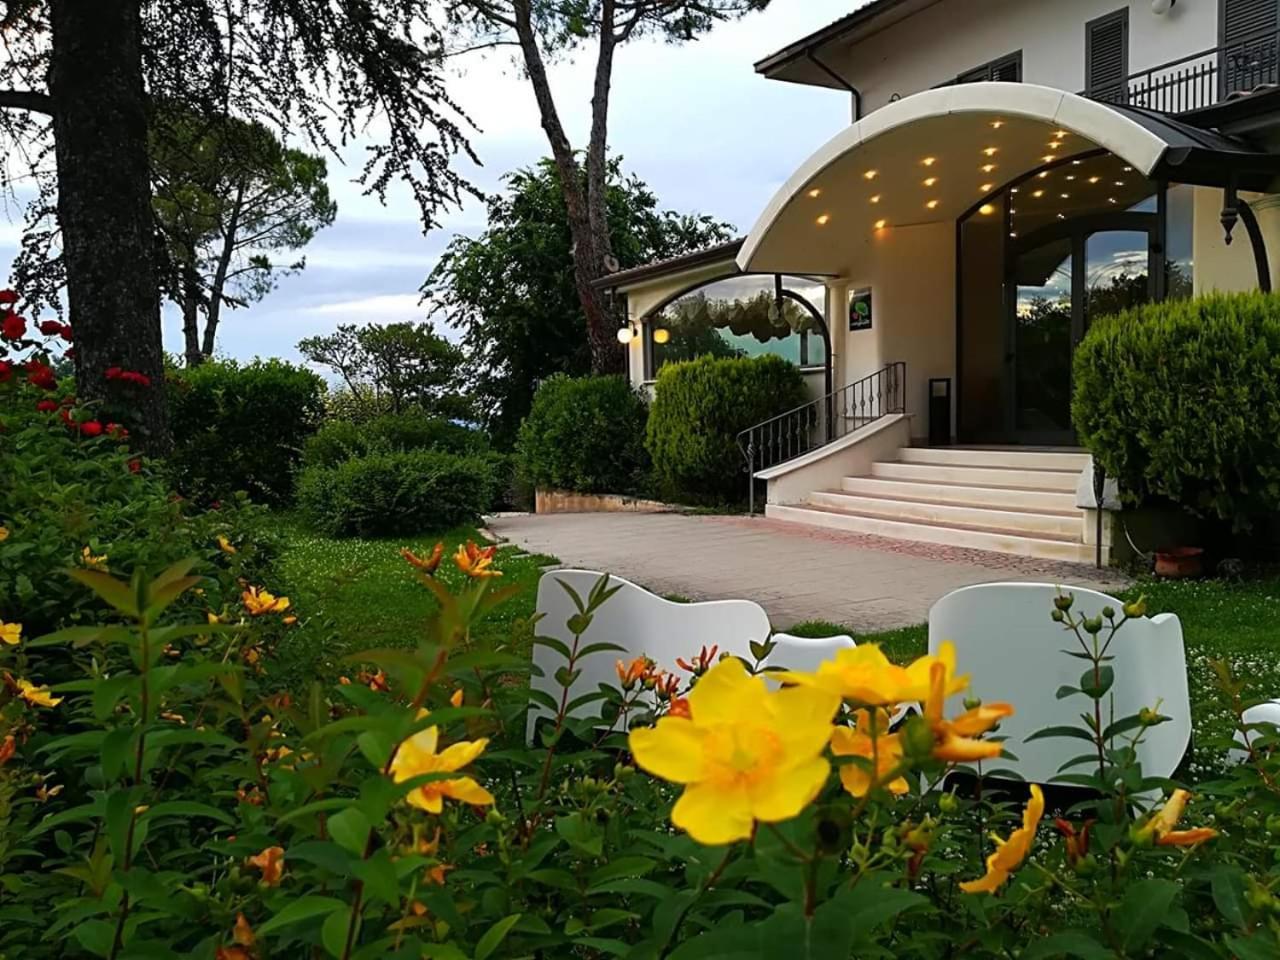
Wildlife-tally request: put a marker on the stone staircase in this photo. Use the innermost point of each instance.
(1019, 501)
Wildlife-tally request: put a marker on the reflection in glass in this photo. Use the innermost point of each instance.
(1042, 339)
(1116, 273)
(1179, 268)
(739, 317)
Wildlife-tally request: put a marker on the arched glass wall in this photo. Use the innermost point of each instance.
(740, 317)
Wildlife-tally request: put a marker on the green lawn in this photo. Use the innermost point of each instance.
(359, 594)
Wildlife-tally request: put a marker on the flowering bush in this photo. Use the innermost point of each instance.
(170, 800)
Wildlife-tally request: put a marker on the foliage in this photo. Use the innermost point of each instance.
(698, 411)
(1181, 400)
(241, 427)
(585, 434)
(397, 492)
(406, 364)
(339, 440)
(350, 821)
(229, 195)
(511, 291)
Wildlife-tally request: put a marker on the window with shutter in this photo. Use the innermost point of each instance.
(1007, 69)
(1107, 57)
(1249, 56)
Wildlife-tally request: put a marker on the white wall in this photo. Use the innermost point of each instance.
(1217, 266)
(954, 36)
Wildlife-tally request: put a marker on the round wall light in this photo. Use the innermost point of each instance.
(1161, 7)
(626, 335)
(661, 335)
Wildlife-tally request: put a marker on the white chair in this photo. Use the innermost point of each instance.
(645, 624)
(1259, 713)
(1013, 652)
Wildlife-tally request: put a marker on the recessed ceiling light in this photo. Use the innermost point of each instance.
(1013, 233)
(815, 193)
(1038, 194)
(1066, 196)
(881, 224)
(988, 167)
(1049, 159)
(986, 209)
(929, 161)
(1128, 169)
(1094, 179)
(991, 151)
(1013, 189)
(876, 198)
(1071, 176)
(1013, 209)
(824, 219)
(932, 204)
(1054, 144)
(987, 187)
(1044, 175)
(1060, 134)
(1112, 200)
(931, 181)
(871, 174)
(997, 124)
(1076, 163)
(1062, 216)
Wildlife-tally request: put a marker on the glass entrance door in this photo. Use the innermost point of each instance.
(1059, 284)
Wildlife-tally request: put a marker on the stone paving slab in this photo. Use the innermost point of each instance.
(796, 572)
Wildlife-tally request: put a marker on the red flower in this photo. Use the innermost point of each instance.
(8, 296)
(13, 327)
(47, 406)
(64, 331)
(40, 375)
(113, 373)
(132, 376)
(135, 465)
(91, 428)
(6, 370)
(50, 328)
(70, 353)
(117, 431)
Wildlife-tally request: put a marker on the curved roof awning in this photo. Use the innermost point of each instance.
(934, 156)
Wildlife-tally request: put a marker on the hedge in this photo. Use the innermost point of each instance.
(397, 492)
(241, 428)
(339, 440)
(700, 408)
(1181, 401)
(584, 434)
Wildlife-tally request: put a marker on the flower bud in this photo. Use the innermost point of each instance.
(1273, 824)
(948, 803)
(1092, 625)
(1063, 602)
(1109, 612)
(494, 818)
(1058, 616)
(1136, 609)
(972, 703)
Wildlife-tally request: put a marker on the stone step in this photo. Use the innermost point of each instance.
(1062, 481)
(1000, 497)
(996, 457)
(1030, 523)
(995, 540)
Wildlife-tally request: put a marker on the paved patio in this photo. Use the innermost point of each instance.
(795, 572)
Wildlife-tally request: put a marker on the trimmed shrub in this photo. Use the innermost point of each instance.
(1181, 401)
(584, 434)
(241, 428)
(339, 440)
(700, 408)
(396, 492)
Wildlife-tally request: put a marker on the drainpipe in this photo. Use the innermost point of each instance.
(857, 94)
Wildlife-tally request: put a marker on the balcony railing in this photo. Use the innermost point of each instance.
(822, 421)
(1202, 79)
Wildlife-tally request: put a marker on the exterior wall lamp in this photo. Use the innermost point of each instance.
(661, 335)
(627, 334)
(1161, 7)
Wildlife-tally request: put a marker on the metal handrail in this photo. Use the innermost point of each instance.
(823, 421)
(1199, 80)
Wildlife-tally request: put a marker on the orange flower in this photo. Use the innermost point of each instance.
(679, 708)
(258, 602)
(232, 953)
(1161, 826)
(474, 562)
(701, 663)
(436, 874)
(1010, 853)
(7, 749)
(242, 934)
(1077, 841)
(427, 564)
(271, 862)
(870, 739)
(954, 739)
(456, 699)
(666, 685)
(637, 671)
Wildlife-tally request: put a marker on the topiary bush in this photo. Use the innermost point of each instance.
(339, 440)
(1181, 401)
(584, 434)
(396, 492)
(241, 428)
(700, 408)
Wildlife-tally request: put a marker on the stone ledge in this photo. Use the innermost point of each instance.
(566, 501)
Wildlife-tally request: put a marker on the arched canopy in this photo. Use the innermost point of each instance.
(934, 156)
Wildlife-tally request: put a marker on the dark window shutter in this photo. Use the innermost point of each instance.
(1249, 56)
(1245, 18)
(1008, 70)
(1107, 56)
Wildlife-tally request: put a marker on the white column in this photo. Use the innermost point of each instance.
(837, 317)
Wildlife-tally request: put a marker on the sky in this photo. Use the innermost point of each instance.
(693, 121)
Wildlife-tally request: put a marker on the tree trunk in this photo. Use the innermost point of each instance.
(104, 206)
(588, 250)
(219, 282)
(190, 304)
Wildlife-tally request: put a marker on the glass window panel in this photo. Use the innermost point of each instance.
(1179, 265)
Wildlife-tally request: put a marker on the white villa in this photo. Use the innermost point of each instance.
(1013, 169)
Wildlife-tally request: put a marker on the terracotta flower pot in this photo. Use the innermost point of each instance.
(1178, 563)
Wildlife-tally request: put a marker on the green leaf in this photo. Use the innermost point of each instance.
(1075, 733)
(379, 876)
(186, 808)
(304, 908)
(116, 593)
(1097, 687)
(494, 936)
(1227, 886)
(1068, 943)
(1261, 946)
(333, 932)
(873, 906)
(581, 834)
(621, 867)
(350, 830)
(1142, 910)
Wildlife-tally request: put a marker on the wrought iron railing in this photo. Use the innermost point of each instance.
(822, 421)
(1201, 79)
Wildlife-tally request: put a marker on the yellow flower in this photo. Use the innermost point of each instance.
(953, 739)
(37, 696)
(1161, 826)
(1009, 854)
(225, 545)
(475, 562)
(4, 534)
(92, 562)
(874, 743)
(456, 699)
(10, 633)
(864, 675)
(258, 601)
(743, 753)
(418, 756)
